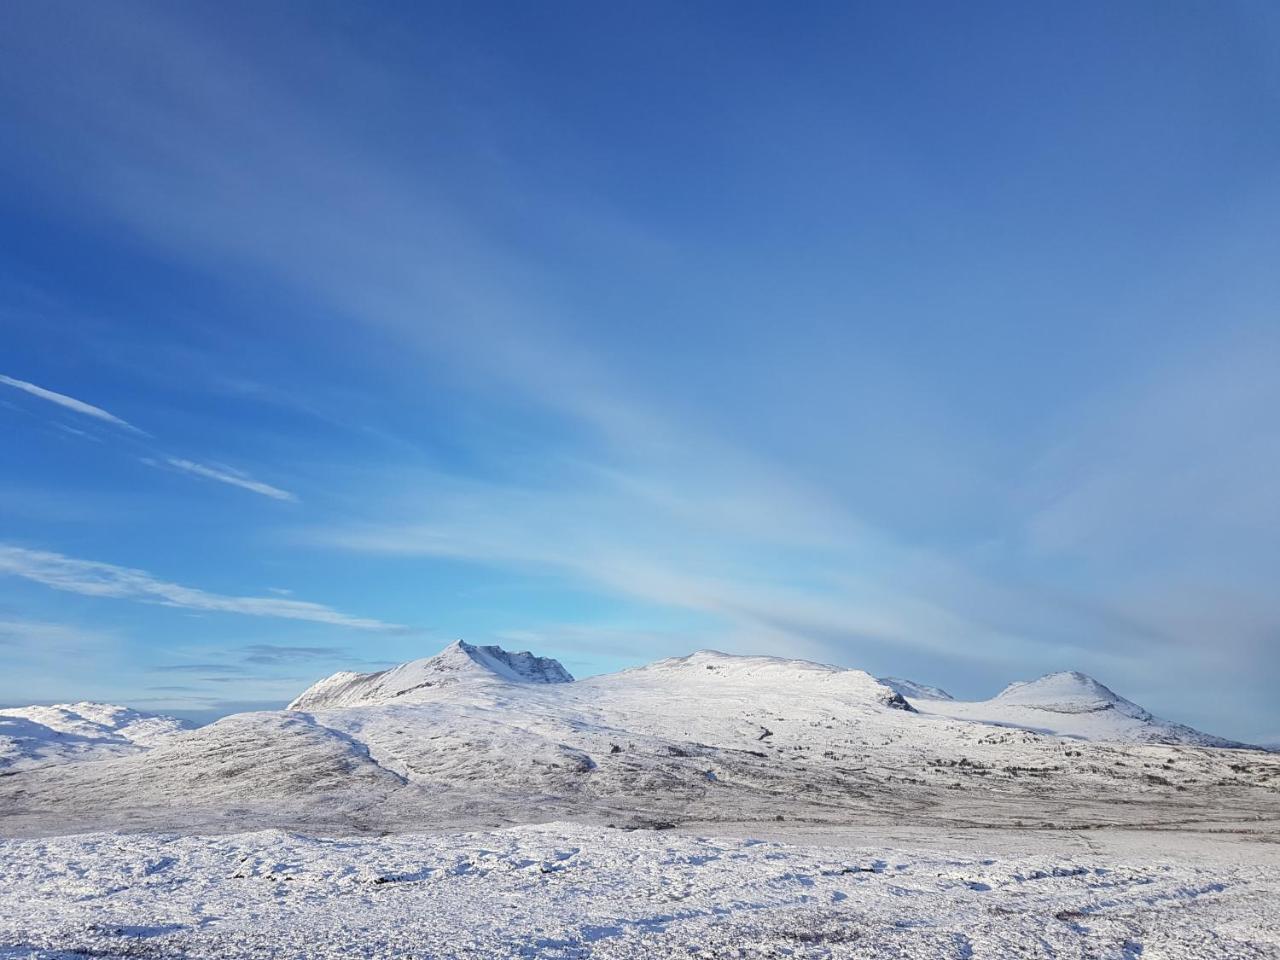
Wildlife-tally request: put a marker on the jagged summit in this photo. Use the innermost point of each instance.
(915, 691)
(457, 662)
(1068, 691)
(518, 667)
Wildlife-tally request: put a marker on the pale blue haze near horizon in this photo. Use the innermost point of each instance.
(934, 339)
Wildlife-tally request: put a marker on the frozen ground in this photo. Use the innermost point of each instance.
(568, 891)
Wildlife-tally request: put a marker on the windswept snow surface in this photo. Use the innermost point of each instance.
(564, 891)
(36, 736)
(1071, 704)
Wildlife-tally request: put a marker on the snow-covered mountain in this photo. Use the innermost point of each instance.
(34, 736)
(1068, 704)
(1068, 691)
(423, 679)
(710, 672)
(477, 736)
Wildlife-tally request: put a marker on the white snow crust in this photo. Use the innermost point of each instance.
(571, 892)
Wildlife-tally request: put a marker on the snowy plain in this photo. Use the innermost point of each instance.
(483, 804)
(571, 891)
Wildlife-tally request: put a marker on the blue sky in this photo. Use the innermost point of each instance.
(934, 339)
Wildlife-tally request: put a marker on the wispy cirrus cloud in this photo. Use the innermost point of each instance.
(220, 473)
(75, 432)
(227, 475)
(71, 403)
(272, 653)
(95, 579)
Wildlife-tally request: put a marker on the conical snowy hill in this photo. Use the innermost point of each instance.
(1068, 691)
(1070, 704)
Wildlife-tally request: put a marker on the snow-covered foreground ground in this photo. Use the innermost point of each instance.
(564, 890)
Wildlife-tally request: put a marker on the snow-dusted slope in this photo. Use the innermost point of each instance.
(424, 679)
(35, 736)
(915, 691)
(1072, 704)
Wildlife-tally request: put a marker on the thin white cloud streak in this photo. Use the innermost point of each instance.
(81, 434)
(95, 579)
(225, 475)
(70, 403)
(235, 479)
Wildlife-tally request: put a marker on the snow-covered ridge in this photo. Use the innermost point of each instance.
(706, 667)
(915, 691)
(423, 679)
(39, 735)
